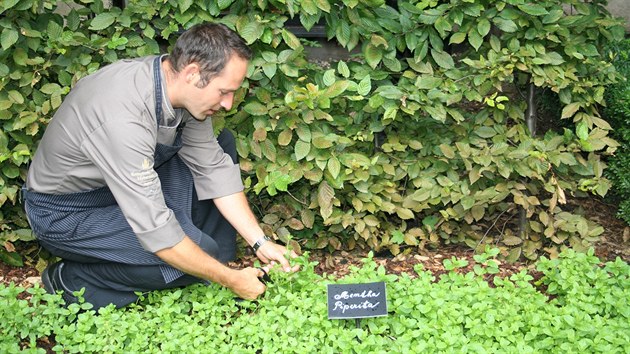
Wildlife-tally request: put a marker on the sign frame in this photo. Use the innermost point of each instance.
(361, 300)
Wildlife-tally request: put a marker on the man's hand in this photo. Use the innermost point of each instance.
(189, 258)
(236, 210)
(271, 253)
(246, 283)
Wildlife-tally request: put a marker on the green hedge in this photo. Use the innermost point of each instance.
(407, 144)
(585, 308)
(617, 112)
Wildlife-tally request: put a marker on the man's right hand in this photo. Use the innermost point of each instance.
(189, 258)
(246, 283)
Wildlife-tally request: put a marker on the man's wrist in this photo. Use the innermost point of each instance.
(226, 277)
(261, 241)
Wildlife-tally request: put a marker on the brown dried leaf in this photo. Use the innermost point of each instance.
(562, 199)
(553, 251)
(333, 241)
(514, 255)
(9, 246)
(325, 195)
(293, 245)
(308, 218)
(512, 240)
(260, 134)
(295, 224)
(321, 242)
(267, 229)
(270, 219)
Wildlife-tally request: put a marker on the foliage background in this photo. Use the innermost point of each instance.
(617, 113)
(418, 139)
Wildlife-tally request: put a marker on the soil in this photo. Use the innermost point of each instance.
(614, 242)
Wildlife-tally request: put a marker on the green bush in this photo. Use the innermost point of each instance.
(585, 309)
(454, 159)
(617, 112)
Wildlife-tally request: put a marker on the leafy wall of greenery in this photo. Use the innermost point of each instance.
(584, 309)
(408, 144)
(617, 113)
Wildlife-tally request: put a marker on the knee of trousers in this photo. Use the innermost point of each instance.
(209, 245)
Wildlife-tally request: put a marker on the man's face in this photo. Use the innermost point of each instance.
(219, 93)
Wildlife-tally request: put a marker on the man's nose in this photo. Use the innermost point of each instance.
(227, 102)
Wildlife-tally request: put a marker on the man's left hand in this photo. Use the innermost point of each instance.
(272, 253)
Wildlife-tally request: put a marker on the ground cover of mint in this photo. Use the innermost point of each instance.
(441, 272)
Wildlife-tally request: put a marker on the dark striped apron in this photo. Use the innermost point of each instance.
(92, 224)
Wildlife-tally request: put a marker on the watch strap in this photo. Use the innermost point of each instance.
(261, 241)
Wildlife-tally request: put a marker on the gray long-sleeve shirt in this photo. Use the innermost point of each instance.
(105, 133)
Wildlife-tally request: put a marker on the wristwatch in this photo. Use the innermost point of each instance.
(261, 241)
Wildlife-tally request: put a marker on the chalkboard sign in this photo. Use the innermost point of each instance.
(357, 300)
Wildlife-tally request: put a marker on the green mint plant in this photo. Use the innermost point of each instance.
(585, 285)
(486, 262)
(454, 263)
(584, 308)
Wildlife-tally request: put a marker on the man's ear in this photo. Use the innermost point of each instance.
(190, 73)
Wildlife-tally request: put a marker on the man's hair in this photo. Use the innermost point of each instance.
(209, 45)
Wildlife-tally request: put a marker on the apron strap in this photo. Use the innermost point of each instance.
(157, 80)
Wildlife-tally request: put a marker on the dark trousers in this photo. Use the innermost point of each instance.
(116, 283)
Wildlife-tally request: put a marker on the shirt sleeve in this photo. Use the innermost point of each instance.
(123, 152)
(215, 174)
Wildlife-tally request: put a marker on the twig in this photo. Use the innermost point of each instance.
(295, 198)
(490, 228)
